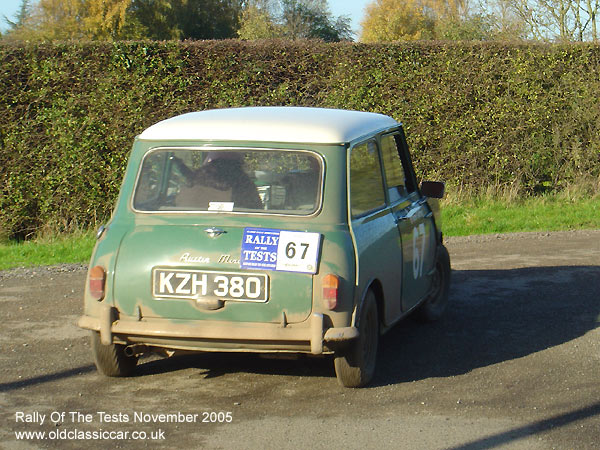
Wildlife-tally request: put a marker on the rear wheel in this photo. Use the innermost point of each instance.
(111, 360)
(433, 308)
(355, 364)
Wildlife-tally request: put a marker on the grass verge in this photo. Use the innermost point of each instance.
(460, 217)
(543, 213)
(71, 248)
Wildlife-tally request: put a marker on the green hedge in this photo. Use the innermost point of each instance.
(475, 114)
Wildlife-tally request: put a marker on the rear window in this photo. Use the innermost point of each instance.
(253, 181)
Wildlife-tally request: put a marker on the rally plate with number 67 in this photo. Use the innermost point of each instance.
(197, 284)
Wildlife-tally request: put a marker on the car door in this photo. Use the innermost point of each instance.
(377, 242)
(413, 217)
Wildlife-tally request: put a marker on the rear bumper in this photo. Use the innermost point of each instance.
(307, 337)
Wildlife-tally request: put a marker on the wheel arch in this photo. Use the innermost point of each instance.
(375, 285)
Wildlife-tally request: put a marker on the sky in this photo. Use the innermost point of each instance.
(352, 8)
(355, 9)
(8, 8)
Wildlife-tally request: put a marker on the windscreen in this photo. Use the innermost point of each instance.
(253, 181)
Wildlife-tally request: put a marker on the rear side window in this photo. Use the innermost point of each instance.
(394, 172)
(366, 183)
(253, 181)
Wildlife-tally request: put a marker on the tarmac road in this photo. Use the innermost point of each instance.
(515, 364)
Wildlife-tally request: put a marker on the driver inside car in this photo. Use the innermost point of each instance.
(220, 178)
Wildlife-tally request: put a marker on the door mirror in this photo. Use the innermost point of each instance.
(433, 189)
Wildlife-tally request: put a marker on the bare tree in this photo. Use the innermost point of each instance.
(293, 19)
(559, 20)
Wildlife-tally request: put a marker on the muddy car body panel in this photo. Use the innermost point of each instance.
(261, 229)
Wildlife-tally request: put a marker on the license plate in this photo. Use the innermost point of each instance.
(196, 284)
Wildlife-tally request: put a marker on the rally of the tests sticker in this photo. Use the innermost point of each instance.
(291, 251)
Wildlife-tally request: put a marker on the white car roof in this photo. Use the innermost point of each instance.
(271, 124)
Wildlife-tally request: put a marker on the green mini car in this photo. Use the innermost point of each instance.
(270, 230)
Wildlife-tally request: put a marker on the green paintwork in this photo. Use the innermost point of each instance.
(164, 245)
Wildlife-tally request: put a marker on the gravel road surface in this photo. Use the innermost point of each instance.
(515, 364)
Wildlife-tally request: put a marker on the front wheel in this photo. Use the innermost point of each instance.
(111, 360)
(355, 364)
(433, 308)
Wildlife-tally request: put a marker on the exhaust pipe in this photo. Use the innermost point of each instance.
(135, 350)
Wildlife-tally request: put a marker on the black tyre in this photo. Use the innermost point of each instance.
(355, 364)
(433, 308)
(111, 360)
